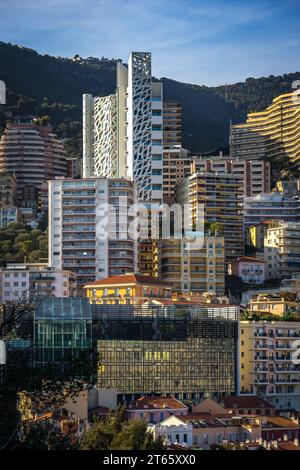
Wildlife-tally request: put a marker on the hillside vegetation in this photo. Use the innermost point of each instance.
(42, 85)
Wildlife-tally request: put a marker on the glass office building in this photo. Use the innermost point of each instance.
(62, 330)
(184, 351)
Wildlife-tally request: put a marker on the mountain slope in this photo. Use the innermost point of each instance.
(44, 85)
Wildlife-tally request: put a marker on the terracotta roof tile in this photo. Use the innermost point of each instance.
(130, 278)
(245, 402)
(156, 403)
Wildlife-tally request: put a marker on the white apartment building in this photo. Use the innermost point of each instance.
(123, 132)
(83, 235)
(35, 280)
(269, 206)
(173, 430)
(267, 367)
(282, 249)
(9, 214)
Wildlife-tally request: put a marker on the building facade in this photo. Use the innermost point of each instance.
(176, 165)
(194, 271)
(282, 249)
(216, 198)
(8, 189)
(267, 368)
(123, 132)
(9, 214)
(133, 289)
(35, 280)
(62, 331)
(270, 134)
(271, 206)
(86, 232)
(172, 129)
(255, 175)
(33, 154)
(250, 270)
(171, 350)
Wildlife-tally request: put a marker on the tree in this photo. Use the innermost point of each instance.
(45, 436)
(216, 228)
(289, 315)
(116, 433)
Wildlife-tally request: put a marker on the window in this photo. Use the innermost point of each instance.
(185, 438)
(156, 171)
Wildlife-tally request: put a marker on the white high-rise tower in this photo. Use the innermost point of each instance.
(123, 133)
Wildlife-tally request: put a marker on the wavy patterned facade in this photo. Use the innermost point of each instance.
(123, 132)
(273, 133)
(105, 136)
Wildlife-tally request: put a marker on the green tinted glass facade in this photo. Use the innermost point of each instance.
(188, 354)
(62, 330)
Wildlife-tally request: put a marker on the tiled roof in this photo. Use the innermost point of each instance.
(249, 259)
(287, 445)
(279, 422)
(245, 402)
(130, 278)
(152, 403)
(212, 420)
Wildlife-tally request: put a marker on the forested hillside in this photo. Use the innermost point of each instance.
(42, 85)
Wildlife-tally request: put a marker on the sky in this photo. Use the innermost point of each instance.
(210, 42)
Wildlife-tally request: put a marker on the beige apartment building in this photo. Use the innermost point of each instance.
(216, 197)
(267, 366)
(194, 271)
(272, 133)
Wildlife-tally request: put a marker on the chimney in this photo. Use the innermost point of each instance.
(296, 442)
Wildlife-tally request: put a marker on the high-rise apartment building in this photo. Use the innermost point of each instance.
(8, 188)
(269, 206)
(267, 368)
(176, 165)
(171, 123)
(282, 249)
(84, 236)
(194, 271)
(123, 132)
(255, 175)
(272, 133)
(216, 198)
(33, 154)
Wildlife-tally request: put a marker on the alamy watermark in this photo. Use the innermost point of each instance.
(138, 221)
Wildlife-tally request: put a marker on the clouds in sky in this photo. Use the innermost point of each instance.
(199, 41)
